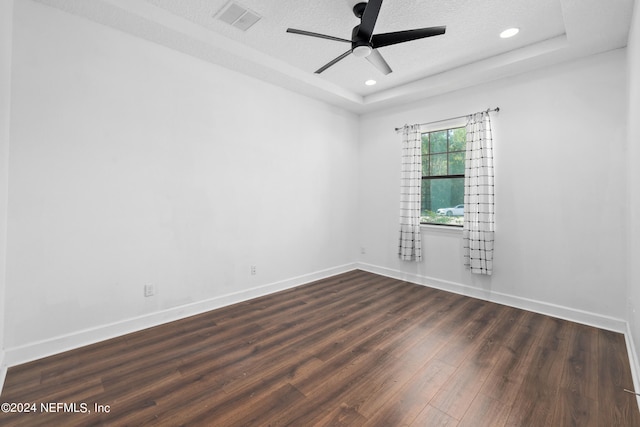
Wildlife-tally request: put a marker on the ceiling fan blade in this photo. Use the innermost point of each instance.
(375, 57)
(369, 18)
(339, 58)
(322, 36)
(387, 39)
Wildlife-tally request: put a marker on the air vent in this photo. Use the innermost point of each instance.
(238, 16)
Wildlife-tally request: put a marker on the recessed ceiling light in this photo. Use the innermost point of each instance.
(370, 82)
(510, 32)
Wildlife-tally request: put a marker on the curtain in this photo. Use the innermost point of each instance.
(410, 247)
(478, 228)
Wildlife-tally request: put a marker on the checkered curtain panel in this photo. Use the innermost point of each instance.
(410, 248)
(478, 228)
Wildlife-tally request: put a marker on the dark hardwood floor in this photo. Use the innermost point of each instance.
(353, 350)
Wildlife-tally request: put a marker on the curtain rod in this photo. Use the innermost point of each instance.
(489, 110)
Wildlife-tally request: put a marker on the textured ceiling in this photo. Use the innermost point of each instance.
(470, 52)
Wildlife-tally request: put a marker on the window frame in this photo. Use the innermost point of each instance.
(439, 127)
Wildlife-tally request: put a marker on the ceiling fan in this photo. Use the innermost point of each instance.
(364, 43)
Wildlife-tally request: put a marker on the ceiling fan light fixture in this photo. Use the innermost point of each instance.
(509, 32)
(362, 51)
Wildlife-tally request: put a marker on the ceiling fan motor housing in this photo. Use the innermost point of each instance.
(359, 46)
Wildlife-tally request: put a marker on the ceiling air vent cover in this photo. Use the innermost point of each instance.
(238, 16)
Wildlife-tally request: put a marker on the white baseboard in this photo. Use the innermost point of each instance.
(33, 351)
(561, 312)
(633, 361)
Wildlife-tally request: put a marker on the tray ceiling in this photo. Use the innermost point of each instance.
(470, 52)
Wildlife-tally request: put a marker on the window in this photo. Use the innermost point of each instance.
(443, 156)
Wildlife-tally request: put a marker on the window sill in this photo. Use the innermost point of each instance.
(444, 229)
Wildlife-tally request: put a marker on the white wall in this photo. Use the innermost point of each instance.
(633, 161)
(135, 164)
(6, 14)
(560, 191)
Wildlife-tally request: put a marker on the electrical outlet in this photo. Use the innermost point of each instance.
(253, 270)
(149, 290)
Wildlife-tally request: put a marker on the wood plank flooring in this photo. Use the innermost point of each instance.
(356, 349)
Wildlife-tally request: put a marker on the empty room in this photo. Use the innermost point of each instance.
(393, 213)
